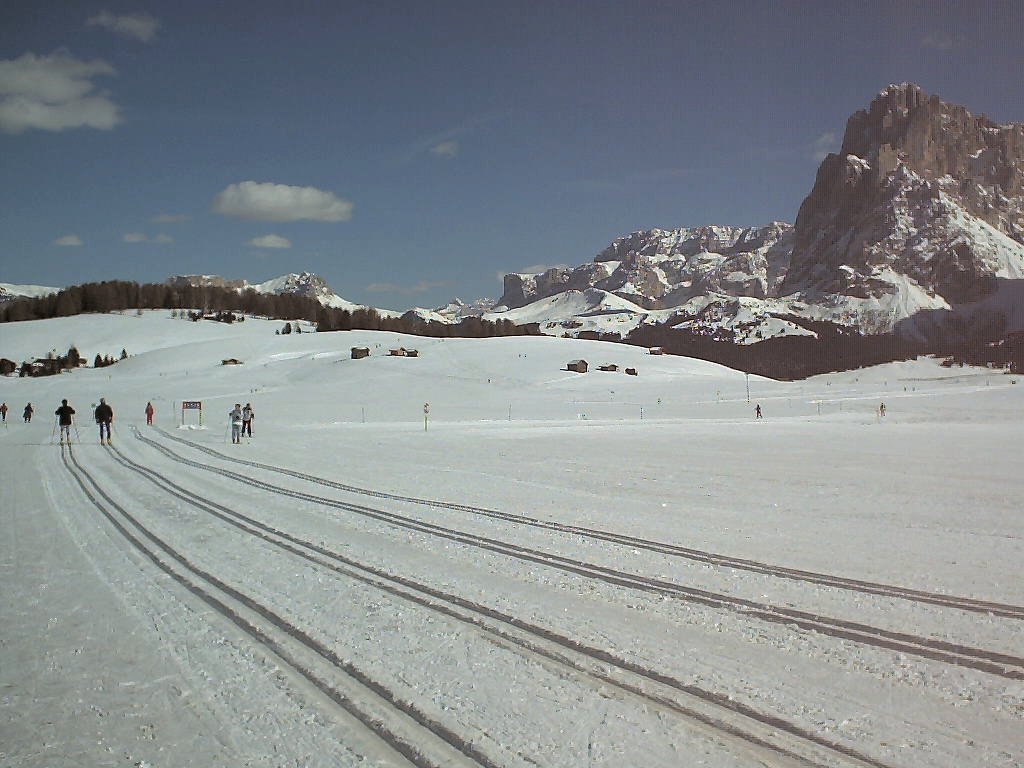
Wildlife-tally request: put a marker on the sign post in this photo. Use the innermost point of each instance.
(426, 415)
(192, 405)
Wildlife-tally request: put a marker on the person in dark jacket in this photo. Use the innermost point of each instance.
(150, 410)
(28, 413)
(65, 417)
(104, 416)
(3, 412)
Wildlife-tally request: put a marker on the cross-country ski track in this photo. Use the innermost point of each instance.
(776, 741)
(773, 739)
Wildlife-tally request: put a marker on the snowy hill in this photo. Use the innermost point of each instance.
(824, 585)
(638, 546)
(8, 291)
(302, 284)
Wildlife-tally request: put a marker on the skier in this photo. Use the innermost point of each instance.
(236, 423)
(881, 411)
(65, 417)
(3, 412)
(757, 411)
(150, 410)
(247, 414)
(104, 417)
(28, 413)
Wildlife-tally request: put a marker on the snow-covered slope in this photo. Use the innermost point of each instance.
(554, 569)
(302, 284)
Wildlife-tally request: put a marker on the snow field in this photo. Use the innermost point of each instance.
(926, 498)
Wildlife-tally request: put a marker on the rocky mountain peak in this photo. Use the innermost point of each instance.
(912, 175)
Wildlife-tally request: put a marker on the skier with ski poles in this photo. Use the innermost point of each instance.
(247, 416)
(28, 413)
(150, 410)
(235, 416)
(65, 418)
(3, 413)
(104, 418)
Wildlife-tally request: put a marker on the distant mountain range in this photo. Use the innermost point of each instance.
(915, 228)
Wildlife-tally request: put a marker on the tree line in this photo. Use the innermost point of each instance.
(121, 295)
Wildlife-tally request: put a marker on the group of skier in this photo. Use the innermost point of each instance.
(65, 414)
(241, 421)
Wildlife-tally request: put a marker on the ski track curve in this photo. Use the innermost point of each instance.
(281, 637)
(992, 662)
(723, 716)
(1003, 610)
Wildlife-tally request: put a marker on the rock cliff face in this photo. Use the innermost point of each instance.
(912, 174)
(659, 269)
(920, 217)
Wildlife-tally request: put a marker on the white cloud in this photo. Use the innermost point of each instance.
(53, 93)
(823, 145)
(280, 202)
(139, 26)
(139, 237)
(169, 218)
(72, 241)
(446, 149)
(271, 241)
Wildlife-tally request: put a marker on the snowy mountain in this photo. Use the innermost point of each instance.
(303, 284)
(9, 292)
(916, 227)
(453, 312)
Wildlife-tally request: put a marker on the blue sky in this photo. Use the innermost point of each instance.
(412, 152)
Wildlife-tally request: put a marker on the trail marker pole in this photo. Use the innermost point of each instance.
(426, 415)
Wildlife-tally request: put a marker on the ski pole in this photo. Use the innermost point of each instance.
(78, 437)
(53, 434)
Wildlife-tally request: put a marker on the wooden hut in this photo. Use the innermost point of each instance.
(612, 367)
(580, 366)
(358, 353)
(631, 371)
(656, 351)
(231, 361)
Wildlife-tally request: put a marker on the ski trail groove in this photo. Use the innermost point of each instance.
(992, 662)
(1003, 610)
(205, 586)
(706, 709)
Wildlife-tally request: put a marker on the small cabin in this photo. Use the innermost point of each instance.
(656, 351)
(7, 367)
(579, 366)
(400, 352)
(412, 353)
(631, 371)
(231, 361)
(358, 353)
(610, 367)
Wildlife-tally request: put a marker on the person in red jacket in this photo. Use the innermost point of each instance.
(150, 410)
